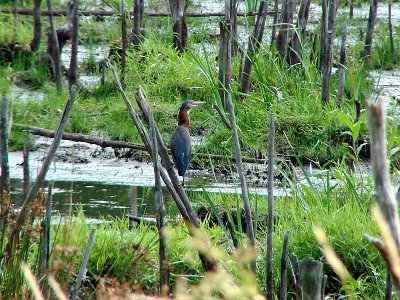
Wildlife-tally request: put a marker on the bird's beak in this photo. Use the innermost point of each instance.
(197, 103)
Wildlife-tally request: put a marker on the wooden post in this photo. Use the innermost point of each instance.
(5, 169)
(73, 67)
(37, 26)
(282, 42)
(270, 224)
(326, 67)
(179, 27)
(253, 46)
(138, 26)
(373, 10)
(391, 34)
(53, 48)
(342, 67)
(161, 214)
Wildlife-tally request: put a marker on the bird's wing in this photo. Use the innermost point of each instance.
(181, 149)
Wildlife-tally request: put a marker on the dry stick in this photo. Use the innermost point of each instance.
(169, 166)
(73, 66)
(284, 263)
(82, 269)
(5, 169)
(106, 13)
(15, 13)
(146, 140)
(380, 168)
(283, 39)
(119, 144)
(37, 26)
(124, 42)
(225, 60)
(323, 30)
(238, 158)
(373, 10)
(391, 34)
(161, 215)
(223, 117)
(56, 49)
(326, 68)
(270, 285)
(351, 9)
(342, 67)
(253, 46)
(43, 171)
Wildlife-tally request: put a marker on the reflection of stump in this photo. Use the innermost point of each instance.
(64, 33)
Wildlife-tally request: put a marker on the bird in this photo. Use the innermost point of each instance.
(180, 140)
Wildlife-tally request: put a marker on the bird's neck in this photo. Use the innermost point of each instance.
(183, 119)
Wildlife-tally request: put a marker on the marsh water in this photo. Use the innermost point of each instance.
(87, 176)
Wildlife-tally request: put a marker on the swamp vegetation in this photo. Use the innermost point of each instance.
(327, 143)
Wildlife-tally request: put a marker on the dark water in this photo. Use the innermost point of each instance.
(97, 199)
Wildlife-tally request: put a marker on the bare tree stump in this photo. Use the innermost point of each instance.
(253, 46)
(373, 10)
(298, 37)
(311, 274)
(73, 66)
(282, 42)
(179, 27)
(138, 21)
(37, 26)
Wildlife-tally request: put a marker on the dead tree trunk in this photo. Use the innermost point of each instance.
(391, 34)
(284, 264)
(15, 12)
(282, 42)
(5, 169)
(298, 38)
(254, 44)
(342, 67)
(351, 9)
(179, 27)
(37, 26)
(73, 66)
(326, 67)
(138, 26)
(225, 60)
(373, 10)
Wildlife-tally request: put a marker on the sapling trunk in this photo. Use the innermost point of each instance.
(179, 27)
(225, 60)
(138, 28)
(275, 21)
(124, 42)
(26, 171)
(283, 39)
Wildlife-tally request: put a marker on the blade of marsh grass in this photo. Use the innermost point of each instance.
(352, 189)
(213, 208)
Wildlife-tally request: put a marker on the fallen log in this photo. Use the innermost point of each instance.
(76, 137)
(104, 13)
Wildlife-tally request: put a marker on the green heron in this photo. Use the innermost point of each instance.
(180, 140)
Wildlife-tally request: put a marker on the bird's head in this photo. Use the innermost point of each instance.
(189, 104)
